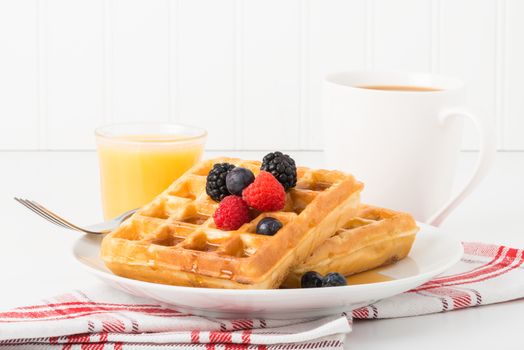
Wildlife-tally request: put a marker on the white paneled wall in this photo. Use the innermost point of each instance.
(468, 48)
(203, 75)
(139, 59)
(71, 71)
(401, 35)
(247, 70)
(512, 75)
(20, 74)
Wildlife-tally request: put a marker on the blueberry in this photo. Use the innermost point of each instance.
(238, 179)
(268, 226)
(311, 279)
(334, 279)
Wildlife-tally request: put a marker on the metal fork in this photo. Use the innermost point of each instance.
(97, 229)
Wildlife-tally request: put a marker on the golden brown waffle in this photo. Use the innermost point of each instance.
(173, 240)
(373, 238)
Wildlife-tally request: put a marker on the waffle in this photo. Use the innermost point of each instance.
(173, 239)
(373, 238)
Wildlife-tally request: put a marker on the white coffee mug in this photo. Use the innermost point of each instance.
(402, 144)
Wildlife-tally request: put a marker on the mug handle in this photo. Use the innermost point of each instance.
(487, 149)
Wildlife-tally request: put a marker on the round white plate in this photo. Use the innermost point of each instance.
(433, 252)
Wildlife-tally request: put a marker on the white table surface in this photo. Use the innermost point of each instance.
(35, 257)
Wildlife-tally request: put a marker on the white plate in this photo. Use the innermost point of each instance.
(433, 252)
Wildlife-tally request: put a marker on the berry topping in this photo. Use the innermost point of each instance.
(238, 179)
(216, 181)
(334, 279)
(268, 226)
(265, 193)
(232, 212)
(311, 279)
(282, 167)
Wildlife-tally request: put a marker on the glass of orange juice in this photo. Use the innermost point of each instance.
(140, 160)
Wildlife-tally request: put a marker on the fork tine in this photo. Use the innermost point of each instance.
(50, 214)
(43, 214)
(40, 213)
(46, 215)
(49, 217)
(63, 221)
(52, 217)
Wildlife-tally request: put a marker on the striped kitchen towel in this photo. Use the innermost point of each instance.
(106, 319)
(486, 274)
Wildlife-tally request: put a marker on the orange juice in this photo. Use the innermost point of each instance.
(134, 169)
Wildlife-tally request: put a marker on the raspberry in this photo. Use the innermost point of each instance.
(265, 193)
(232, 212)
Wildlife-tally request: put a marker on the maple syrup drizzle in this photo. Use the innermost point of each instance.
(371, 276)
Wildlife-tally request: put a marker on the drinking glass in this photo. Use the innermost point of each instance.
(140, 160)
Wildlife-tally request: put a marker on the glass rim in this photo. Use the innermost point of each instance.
(194, 133)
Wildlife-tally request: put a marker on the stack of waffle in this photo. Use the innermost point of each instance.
(174, 240)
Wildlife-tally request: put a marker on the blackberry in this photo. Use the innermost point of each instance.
(216, 181)
(282, 167)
